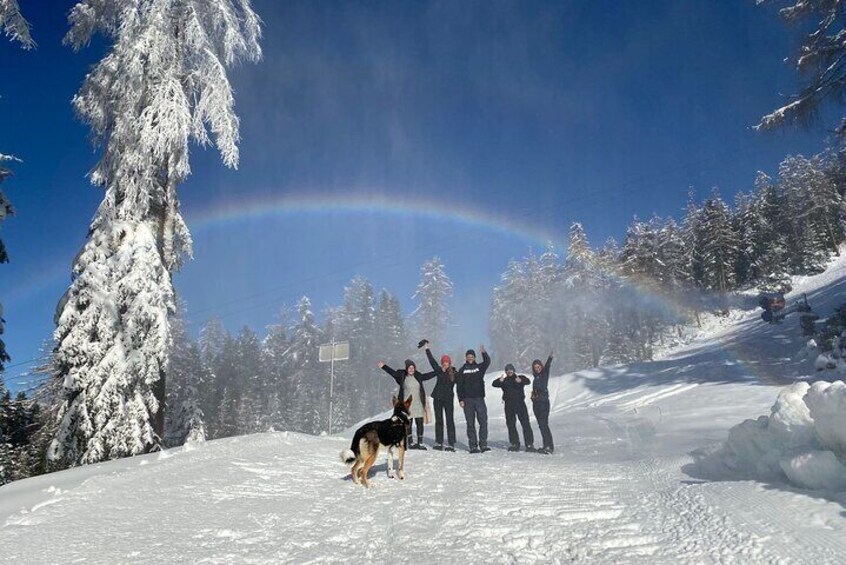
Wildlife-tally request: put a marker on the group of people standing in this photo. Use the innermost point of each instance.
(468, 382)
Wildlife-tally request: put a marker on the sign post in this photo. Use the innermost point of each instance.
(329, 353)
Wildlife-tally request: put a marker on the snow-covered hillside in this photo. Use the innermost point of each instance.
(622, 486)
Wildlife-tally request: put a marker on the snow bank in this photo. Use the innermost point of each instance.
(802, 441)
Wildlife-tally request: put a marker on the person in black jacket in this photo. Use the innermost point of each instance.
(410, 383)
(514, 396)
(471, 396)
(540, 401)
(443, 400)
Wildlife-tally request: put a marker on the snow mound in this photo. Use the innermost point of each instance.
(802, 441)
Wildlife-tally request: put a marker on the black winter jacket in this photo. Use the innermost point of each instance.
(513, 388)
(540, 384)
(399, 377)
(471, 379)
(446, 380)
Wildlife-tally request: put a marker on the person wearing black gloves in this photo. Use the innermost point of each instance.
(471, 397)
(443, 399)
(410, 382)
(514, 396)
(540, 401)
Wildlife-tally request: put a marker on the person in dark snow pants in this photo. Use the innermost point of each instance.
(410, 383)
(540, 401)
(514, 396)
(443, 400)
(471, 397)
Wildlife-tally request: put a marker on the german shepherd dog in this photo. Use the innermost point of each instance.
(370, 438)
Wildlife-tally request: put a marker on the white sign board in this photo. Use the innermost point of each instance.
(341, 352)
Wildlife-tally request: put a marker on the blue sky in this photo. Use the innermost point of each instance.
(542, 113)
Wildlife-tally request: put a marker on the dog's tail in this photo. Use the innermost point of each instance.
(347, 457)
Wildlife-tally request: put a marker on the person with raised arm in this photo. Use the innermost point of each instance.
(410, 383)
(540, 402)
(514, 397)
(471, 397)
(443, 399)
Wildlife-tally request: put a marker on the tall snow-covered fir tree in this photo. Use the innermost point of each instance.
(185, 421)
(355, 321)
(252, 409)
(508, 312)
(309, 388)
(719, 245)
(162, 84)
(433, 294)
(392, 342)
(276, 368)
(210, 342)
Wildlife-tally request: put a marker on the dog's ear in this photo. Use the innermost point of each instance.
(394, 401)
(408, 402)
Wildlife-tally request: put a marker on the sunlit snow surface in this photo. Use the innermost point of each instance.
(627, 483)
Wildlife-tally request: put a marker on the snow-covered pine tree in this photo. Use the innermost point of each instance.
(808, 246)
(720, 245)
(675, 270)
(228, 389)
(14, 24)
(641, 255)
(770, 263)
(276, 367)
(585, 285)
(253, 407)
(185, 421)
(822, 24)
(508, 311)
(355, 321)
(432, 295)
(308, 384)
(392, 342)
(162, 84)
(210, 342)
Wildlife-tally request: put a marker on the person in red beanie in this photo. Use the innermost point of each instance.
(443, 400)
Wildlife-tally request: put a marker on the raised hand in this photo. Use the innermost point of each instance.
(380, 364)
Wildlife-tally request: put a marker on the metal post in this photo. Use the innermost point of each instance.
(331, 383)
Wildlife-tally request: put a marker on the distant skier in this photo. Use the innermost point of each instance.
(471, 397)
(514, 396)
(410, 384)
(443, 399)
(540, 402)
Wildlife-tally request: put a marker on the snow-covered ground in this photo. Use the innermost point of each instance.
(628, 482)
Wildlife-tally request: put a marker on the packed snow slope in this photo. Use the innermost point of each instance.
(621, 487)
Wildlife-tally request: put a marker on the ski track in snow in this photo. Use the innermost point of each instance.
(615, 491)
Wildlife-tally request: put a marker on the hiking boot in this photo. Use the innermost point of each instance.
(474, 450)
(530, 449)
(544, 451)
(419, 445)
(438, 447)
(449, 448)
(513, 448)
(485, 448)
